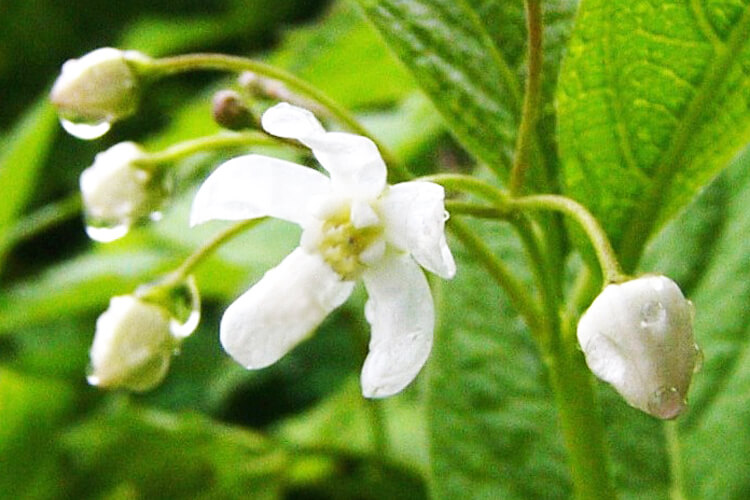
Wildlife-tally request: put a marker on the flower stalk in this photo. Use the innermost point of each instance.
(532, 96)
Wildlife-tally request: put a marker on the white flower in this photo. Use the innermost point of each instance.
(118, 193)
(354, 226)
(133, 345)
(638, 336)
(102, 86)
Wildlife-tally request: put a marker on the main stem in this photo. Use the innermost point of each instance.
(532, 96)
(580, 422)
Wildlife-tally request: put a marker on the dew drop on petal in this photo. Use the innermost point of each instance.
(666, 403)
(653, 313)
(698, 363)
(86, 131)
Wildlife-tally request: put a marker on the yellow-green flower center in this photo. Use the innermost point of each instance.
(341, 244)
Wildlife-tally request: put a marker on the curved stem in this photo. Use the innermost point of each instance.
(603, 248)
(532, 96)
(456, 207)
(218, 141)
(187, 267)
(222, 62)
(471, 185)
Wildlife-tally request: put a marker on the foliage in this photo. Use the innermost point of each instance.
(644, 115)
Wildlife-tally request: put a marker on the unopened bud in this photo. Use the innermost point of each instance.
(638, 336)
(230, 112)
(132, 347)
(101, 87)
(117, 193)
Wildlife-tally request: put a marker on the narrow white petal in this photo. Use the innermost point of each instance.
(282, 309)
(414, 218)
(254, 186)
(353, 161)
(402, 316)
(291, 122)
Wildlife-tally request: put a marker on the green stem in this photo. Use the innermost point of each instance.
(186, 268)
(218, 141)
(471, 185)
(222, 62)
(671, 434)
(456, 207)
(532, 96)
(603, 248)
(516, 290)
(581, 423)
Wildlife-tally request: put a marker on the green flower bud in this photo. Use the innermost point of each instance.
(638, 336)
(101, 87)
(117, 193)
(132, 346)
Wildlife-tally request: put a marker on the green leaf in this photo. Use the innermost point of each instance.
(456, 62)
(345, 57)
(491, 416)
(653, 102)
(31, 411)
(162, 455)
(22, 155)
(705, 250)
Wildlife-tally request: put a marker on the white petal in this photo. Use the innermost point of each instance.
(282, 309)
(254, 186)
(402, 316)
(353, 161)
(291, 122)
(414, 218)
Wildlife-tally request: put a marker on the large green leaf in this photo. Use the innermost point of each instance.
(468, 57)
(654, 100)
(492, 421)
(457, 63)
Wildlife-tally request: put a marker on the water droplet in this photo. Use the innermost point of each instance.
(653, 313)
(85, 131)
(91, 378)
(666, 403)
(699, 358)
(104, 233)
(185, 308)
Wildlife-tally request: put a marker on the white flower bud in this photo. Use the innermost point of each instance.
(638, 336)
(116, 193)
(102, 86)
(132, 346)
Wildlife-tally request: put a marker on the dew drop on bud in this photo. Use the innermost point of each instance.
(666, 403)
(103, 232)
(653, 313)
(185, 308)
(86, 131)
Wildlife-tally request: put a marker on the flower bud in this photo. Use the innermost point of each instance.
(230, 112)
(117, 193)
(103, 86)
(638, 336)
(132, 346)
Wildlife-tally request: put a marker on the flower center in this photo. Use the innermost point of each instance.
(341, 243)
